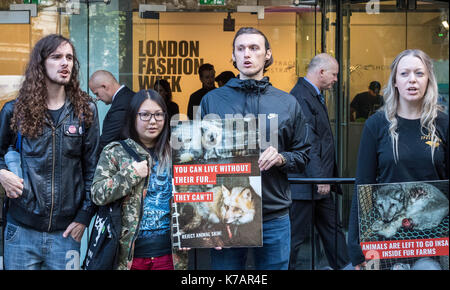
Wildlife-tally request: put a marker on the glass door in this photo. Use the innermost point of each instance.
(18, 36)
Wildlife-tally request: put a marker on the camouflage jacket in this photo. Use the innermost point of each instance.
(115, 178)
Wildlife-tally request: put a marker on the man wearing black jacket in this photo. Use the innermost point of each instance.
(206, 73)
(57, 123)
(105, 86)
(251, 94)
(321, 75)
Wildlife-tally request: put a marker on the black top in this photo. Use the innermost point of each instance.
(376, 161)
(55, 114)
(172, 109)
(195, 100)
(154, 245)
(365, 104)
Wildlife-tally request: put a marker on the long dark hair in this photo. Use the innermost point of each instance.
(166, 86)
(251, 30)
(31, 103)
(162, 145)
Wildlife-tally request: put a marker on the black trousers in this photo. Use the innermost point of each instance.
(326, 225)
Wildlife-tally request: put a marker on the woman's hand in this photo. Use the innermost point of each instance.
(141, 168)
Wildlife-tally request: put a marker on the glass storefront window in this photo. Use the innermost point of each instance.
(174, 46)
(16, 42)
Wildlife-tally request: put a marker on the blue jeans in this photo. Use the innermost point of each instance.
(273, 255)
(27, 249)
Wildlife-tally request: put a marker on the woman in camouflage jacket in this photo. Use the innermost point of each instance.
(145, 236)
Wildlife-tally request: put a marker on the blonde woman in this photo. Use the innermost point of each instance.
(407, 139)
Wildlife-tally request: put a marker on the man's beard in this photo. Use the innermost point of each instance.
(61, 82)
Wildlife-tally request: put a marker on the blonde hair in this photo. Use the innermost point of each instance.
(430, 107)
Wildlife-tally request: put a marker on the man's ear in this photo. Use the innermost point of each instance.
(268, 54)
(322, 72)
(105, 87)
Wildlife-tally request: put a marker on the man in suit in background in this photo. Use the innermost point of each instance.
(105, 86)
(321, 75)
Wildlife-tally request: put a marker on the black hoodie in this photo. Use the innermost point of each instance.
(260, 97)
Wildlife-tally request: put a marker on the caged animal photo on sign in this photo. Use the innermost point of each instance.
(406, 212)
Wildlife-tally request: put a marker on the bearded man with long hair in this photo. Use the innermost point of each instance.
(54, 125)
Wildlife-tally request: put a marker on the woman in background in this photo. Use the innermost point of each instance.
(163, 88)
